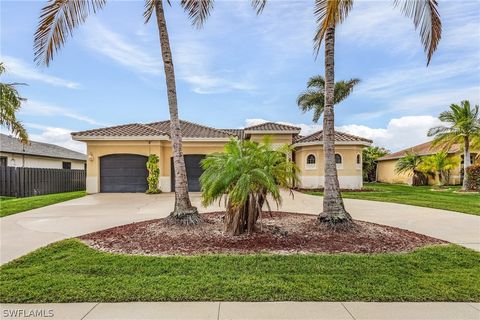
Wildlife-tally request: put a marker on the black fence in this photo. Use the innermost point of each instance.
(27, 182)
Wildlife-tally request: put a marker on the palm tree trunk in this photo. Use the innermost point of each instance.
(466, 162)
(183, 212)
(334, 213)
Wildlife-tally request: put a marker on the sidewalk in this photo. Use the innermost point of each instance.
(244, 310)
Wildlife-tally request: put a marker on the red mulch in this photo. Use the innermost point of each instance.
(279, 232)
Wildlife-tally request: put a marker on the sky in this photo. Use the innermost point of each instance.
(242, 69)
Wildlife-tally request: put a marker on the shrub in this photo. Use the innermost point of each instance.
(153, 174)
(473, 177)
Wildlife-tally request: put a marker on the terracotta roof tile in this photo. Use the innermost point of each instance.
(339, 136)
(272, 126)
(126, 130)
(422, 149)
(239, 133)
(192, 130)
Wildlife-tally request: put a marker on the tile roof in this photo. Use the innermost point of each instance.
(239, 133)
(161, 128)
(191, 130)
(422, 149)
(339, 136)
(125, 130)
(272, 126)
(10, 144)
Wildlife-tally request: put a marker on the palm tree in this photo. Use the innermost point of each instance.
(462, 127)
(10, 103)
(314, 97)
(246, 173)
(59, 18)
(411, 164)
(439, 166)
(369, 161)
(330, 13)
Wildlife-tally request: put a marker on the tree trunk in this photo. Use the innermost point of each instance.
(183, 212)
(334, 213)
(466, 162)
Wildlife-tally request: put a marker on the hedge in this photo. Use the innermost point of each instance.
(473, 177)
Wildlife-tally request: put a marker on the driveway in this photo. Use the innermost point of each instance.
(24, 232)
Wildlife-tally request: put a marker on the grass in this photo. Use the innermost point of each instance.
(422, 196)
(69, 271)
(10, 205)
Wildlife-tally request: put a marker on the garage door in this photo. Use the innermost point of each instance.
(123, 173)
(194, 171)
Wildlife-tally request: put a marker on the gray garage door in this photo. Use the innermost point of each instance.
(123, 173)
(194, 171)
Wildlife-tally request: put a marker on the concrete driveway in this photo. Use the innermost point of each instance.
(24, 232)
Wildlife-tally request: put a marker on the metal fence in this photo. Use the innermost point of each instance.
(26, 182)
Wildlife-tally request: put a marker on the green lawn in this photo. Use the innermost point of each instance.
(69, 271)
(10, 206)
(422, 196)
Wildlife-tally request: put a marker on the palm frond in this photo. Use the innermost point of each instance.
(149, 8)
(426, 18)
(259, 5)
(198, 10)
(58, 19)
(329, 13)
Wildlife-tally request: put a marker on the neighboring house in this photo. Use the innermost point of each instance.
(386, 164)
(117, 155)
(38, 155)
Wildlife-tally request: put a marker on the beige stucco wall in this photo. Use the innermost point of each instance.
(277, 139)
(386, 172)
(27, 161)
(163, 149)
(349, 172)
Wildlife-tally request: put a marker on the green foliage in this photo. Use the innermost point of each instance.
(153, 174)
(473, 177)
(410, 164)
(314, 97)
(69, 271)
(10, 206)
(246, 172)
(10, 103)
(369, 161)
(439, 166)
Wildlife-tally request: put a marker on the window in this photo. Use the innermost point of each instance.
(338, 158)
(359, 159)
(311, 161)
(66, 165)
(472, 158)
(3, 161)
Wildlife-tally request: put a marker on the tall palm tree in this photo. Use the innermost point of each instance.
(10, 103)
(411, 164)
(59, 18)
(330, 13)
(462, 126)
(314, 97)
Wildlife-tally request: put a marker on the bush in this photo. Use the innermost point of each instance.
(473, 177)
(153, 174)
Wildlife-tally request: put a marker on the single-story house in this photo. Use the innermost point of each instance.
(38, 155)
(386, 164)
(117, 155)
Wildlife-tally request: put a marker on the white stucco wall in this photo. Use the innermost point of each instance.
(18, 160)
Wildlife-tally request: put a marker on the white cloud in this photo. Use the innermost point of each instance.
(22, 70)
(399, 133)
(37, 108)
(57, 136)
(114, 46)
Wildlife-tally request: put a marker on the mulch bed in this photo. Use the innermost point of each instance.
(279, 232)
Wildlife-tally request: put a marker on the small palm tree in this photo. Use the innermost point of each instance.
(462, 127)
(410, 164)
(329, 14)
(59, 18)
(314, 97)
(439, 166)
(10, 103)
(369, 161)
(246, 173)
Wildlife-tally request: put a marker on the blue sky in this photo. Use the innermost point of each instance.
(241, 69)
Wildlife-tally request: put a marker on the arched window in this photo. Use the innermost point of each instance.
(359, 159)
(311, 161)
(338, 158)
